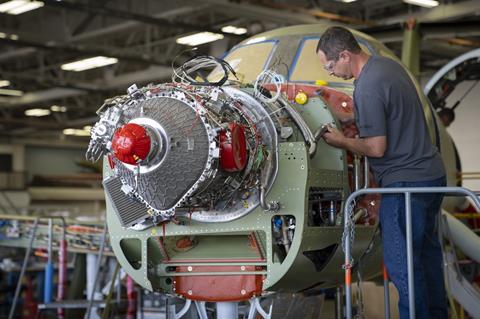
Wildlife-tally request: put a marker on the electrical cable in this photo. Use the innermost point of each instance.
(184, 73)
(271, 77)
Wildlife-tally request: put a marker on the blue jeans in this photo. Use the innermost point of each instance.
(430, 301)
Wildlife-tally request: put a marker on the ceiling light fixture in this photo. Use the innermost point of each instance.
(346, 1)
(20, 6)
(69, 131)
(4, 83)
(89, 63)
(12, 36)
(423, 3)
(76, 132)
(57, 108)
(234, 30)
(11, 92)
(199, 38)
(37, 112)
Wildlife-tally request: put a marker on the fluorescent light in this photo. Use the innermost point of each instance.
(76, 132)
(234, 30)
(29, 6)
(423, 3)
(69, 131)
(7, 6)
(89, 63)
(199, 38)
(4, 83)
(11, 92)
(57, 108)
(347, 1)
(82, 133)
(20, 6)
(37, 112)
(12, 36)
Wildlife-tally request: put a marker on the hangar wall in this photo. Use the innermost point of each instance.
(464, 130)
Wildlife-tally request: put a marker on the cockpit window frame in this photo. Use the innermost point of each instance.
(301, 44)
(269, 58)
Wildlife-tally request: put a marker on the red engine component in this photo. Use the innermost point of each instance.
(218, 287)
(233, 148)
(131, 143)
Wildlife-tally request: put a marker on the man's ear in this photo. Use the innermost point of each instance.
(345, 55)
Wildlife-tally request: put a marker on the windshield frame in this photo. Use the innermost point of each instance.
(299, 51)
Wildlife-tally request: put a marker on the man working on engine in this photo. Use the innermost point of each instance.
(393, 134)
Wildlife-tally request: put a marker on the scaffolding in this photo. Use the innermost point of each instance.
(349, 227)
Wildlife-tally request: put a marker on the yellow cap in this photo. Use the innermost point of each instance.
(321, 83)
(301, 98)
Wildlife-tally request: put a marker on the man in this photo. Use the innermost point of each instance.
(393, 134)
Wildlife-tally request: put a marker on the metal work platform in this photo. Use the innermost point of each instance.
(348, 236)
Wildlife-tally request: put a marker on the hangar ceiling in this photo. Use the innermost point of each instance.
(142, 35)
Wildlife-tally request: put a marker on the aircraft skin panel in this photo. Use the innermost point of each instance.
(258, 220)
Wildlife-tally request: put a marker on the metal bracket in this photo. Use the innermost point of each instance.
(301, 124)
(256, 306)
(201, 309)
(184, 310)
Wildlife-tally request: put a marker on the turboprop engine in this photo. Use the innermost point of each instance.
(205, 153)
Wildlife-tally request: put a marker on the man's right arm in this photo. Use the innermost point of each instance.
(374, 146)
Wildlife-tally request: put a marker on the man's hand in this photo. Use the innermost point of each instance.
(334, 137)
(373, 146)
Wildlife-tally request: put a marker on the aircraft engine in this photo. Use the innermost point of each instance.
(177, 150)
(224, 191)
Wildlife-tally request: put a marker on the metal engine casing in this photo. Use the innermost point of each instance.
(182, 175)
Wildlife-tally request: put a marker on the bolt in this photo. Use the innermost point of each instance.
(190, 268)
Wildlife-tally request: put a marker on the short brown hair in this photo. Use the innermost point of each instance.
(335, 40)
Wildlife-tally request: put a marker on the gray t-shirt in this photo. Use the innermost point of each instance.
(387, 104)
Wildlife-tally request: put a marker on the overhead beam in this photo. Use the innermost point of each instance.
(443, 49)
(50, 81)
(317, 13)
(49, 125)
(106, 31)
(40, 96)
(122, 81)
(262, 13)
(81, 49)
(60, 143)
(443, 12)
(153, 73)
(92, 7)
(83, 25)
(429, 31)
